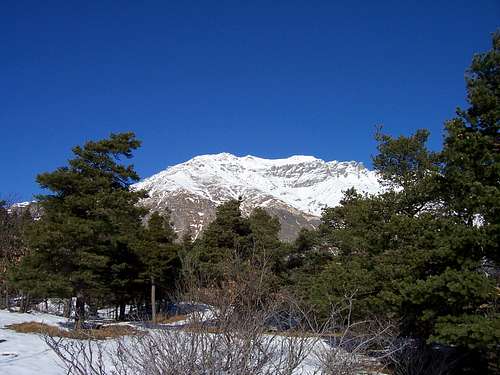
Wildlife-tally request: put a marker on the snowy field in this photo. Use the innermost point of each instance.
(26, 354)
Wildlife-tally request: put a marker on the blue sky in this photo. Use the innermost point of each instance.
(267, 78)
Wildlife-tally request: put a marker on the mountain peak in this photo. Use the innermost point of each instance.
(226, 156)
(300, 184)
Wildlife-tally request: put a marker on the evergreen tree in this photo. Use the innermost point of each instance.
(267, 246)
(227, 237)
(344, 257)
(460, 301)
(426, 249)
(81, 244)
(159, 255)
(237, 249)
(407, 167)
(471, 174)
(442, 279)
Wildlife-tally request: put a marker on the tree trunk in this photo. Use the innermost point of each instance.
(21, 301)
(7, 302)
(68, 306)
(138, 309)
(122, 311)
(93, 312)
(153, 300)
(79, 310)
(131, 309)
(24, 302)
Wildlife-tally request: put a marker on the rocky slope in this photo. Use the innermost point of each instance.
(294, 189)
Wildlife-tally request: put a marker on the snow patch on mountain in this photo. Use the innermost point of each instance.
(306, 183)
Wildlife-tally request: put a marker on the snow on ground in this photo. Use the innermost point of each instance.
(26, 354)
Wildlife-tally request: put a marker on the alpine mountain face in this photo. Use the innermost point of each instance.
(295, 189)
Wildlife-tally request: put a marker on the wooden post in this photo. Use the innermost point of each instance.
(153, 300)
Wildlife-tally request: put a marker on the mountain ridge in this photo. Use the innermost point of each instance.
(295, 189)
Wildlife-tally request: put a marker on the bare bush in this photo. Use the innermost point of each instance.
(246, 350)
(357, 346)
(12, 247)
(213, 341)
(238, 326)
(227, 341)
(80, 357)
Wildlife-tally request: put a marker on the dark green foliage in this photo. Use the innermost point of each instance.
(362, 247)
(227, 237)
(405, 161)
(13, 223)
(159, 256)
(81, 244)
(265, 230)
(234, 239)
(425, 251)
(267, 247)
(460, 302)
(471, 176)
(407, 166)
(158, 252)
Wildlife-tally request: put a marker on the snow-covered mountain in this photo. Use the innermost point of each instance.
(294, 189)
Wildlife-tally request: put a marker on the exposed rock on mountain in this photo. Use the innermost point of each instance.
(294, 189)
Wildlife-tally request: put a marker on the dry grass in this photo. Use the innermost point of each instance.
(202, 328)
(164, 319)
(102, 333)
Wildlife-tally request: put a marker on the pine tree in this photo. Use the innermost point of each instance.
(471, 175)
(159, 255)
(227, 237)
(81, 244)
(267, 246)
(427, 248)
(470, 189)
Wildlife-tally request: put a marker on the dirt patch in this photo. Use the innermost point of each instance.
(102, 333)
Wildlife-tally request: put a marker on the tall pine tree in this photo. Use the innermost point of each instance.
(159, 255)
(426, 250)
(81, 244)
(227, 237)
